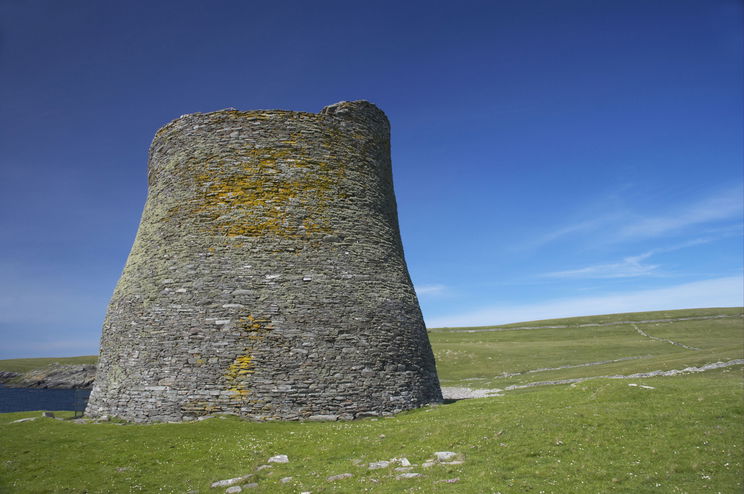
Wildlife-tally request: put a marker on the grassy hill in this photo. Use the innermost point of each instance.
(518, 354)
(659, 434)
(21, 365)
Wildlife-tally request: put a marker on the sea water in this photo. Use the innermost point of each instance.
(28, 399)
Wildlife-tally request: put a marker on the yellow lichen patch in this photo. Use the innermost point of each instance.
(250, 323)
(282, 191)
(244, 364)
(241, 366)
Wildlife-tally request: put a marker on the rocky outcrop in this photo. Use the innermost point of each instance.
(55, 376)
(7, 376)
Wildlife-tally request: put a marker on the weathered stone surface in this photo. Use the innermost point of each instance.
(322, 418)
(233, 481)
(445, 455)
(7, 375)
(339, 477)
(279, 459)
(409, 475)
(267, 278)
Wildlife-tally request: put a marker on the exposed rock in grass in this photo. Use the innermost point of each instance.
(445, 455)
(409, 475)
(279, 459)
(459, 393)
(339, 477)
(379, 464)
(233, 481)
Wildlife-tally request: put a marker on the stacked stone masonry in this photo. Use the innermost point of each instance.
(267, 277)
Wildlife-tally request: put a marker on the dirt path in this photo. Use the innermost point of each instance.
(459, 393)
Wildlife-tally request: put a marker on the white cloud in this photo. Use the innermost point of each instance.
(579, 227)
(624, 225)
(423, 290)
(627, 268)
(719, 292)
(722, 206)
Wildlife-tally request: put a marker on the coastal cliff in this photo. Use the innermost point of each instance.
(54, 376)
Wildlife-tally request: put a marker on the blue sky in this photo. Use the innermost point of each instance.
(551, 158)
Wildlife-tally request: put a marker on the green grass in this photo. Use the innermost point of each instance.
(684, 435)
(480, 359)
(21, 365)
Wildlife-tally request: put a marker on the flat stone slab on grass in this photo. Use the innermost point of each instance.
(279, 459)
(448, 481)
(445, 455)
(339, 477)
(409, 475)
(233, 481)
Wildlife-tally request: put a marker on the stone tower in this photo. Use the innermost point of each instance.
(267, 277)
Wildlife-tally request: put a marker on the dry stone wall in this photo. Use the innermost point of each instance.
(267, 277)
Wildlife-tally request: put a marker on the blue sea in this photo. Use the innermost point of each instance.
(28, 399)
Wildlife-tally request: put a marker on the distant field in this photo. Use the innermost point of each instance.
(681, 434)
(26, 364)
(517, 354)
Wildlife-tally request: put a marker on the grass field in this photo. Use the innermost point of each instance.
(500, 356)
(663, 434)
(21, 365)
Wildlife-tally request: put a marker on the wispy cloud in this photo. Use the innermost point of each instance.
(723, 206)
(622, 224)
(629, 267)
(578, 227)
(719, 292)
(436, 289)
